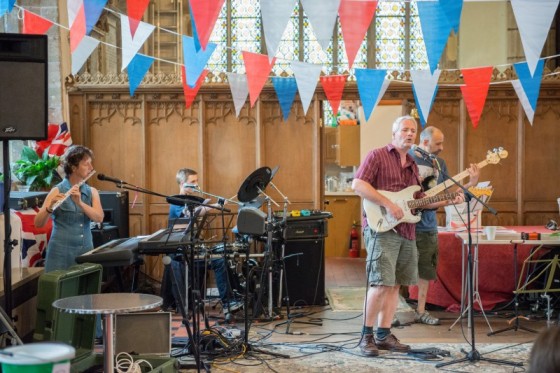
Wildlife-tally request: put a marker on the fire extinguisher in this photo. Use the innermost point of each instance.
(354, 242)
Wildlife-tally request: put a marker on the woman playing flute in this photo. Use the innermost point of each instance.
(71, 235)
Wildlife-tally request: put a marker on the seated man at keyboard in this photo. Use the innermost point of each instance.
(188, 183)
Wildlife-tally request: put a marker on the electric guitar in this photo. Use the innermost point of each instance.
(379, 219)
(493, 157)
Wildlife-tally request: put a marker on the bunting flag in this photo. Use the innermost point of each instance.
(528, 87)
(135, 10)
(130, 44)
(136, 69)
(355, 17)
(34, 240)
(275, 17)
(286, 89)
(475, 90)
(371, 87)
(322, 16)
(453, 9)
(333, 85)
(34, 24)
(435, 29)
(239, 90)
(205, 14)
(257, 68)
(195, 34)
(74, 7)
(424, 87)
(78, 29)
(92, 10)
(534, 18)
(82, 52)
(306, 75)
(58, 139)
(190, 93)
(195, 60)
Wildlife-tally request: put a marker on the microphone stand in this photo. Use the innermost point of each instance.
(473, 355)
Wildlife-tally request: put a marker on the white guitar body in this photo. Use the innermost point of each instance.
(376, 214)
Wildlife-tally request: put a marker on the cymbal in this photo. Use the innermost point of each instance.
(274, 171)
(184, 199)
(254, 184)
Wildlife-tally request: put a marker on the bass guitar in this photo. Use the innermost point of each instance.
(379, 219)
(493, 157)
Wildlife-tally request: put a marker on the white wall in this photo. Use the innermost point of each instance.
(483, 34)
(376, 132)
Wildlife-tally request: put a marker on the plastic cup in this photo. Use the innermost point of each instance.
(490, 233)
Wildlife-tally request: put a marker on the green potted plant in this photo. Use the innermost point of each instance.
(38, 173)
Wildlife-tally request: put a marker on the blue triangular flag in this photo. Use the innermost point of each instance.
(370, 87)
(136, 69)
(286, 89)
(3, 7)
(92, 10)
(11, 4)
(435, 29)
(195, 34)
(195, 61)
(531, 83)
(453, 9)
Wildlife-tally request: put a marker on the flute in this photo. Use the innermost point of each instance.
(67, 194)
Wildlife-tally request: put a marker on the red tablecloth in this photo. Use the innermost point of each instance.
(496, 281)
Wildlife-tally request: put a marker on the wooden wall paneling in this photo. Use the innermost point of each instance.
(292, 145)
(76, 121)
(541, 163)
(497, 128)
(230, 151)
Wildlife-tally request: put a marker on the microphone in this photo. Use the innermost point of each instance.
(109, 178)
(425, 154)
(190, 186)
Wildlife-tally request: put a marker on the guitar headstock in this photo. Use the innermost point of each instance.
(494, 156)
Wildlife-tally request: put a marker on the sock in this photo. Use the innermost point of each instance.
(382, 333)
(367, 330)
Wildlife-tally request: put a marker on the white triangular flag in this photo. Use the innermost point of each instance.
(322, 16)
(73, 6)
(82, 52)
(307, 75)
(524, 100)
(425, 86)
(131, 45)
(533, 18)
(275, 17)
(239, 90)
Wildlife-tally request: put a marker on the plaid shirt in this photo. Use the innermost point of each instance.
(382, 169)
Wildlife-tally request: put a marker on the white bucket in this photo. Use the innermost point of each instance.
(47, 357)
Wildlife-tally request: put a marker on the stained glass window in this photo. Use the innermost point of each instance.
(398, 43)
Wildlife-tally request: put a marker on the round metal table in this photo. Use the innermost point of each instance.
(107, 304)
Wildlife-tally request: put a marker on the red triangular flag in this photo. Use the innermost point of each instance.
(34, 24)
(78, 29)
(205, 14)
(190, 93)
(355, 17)
(475, 90)
(333, 85)
(257, 69)
(135, 9)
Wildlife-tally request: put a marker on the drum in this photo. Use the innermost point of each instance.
(231, 248)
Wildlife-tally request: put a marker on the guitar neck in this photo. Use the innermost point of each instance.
(418, 203)
(447, 183)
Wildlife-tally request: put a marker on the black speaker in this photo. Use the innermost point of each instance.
(115, 208)
(23, 87)
(304, 271)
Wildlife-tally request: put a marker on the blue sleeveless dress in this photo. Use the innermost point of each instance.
(71, 234)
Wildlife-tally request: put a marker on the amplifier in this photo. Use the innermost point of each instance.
(300, 229)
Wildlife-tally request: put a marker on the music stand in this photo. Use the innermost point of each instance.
(473, 354)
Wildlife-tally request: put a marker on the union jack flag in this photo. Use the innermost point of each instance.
(58, 139)
(33, 240)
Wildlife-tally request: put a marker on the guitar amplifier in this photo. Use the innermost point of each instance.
(297, 229)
